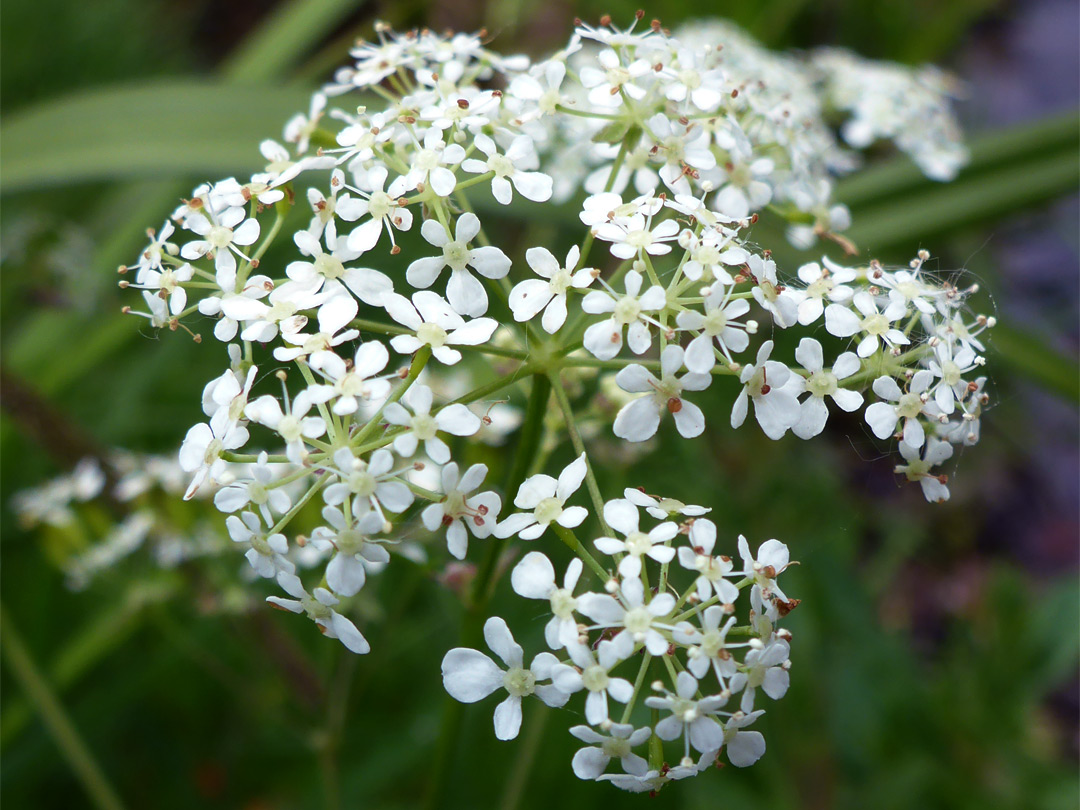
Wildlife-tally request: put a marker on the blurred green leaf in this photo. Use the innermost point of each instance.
(158, 129)
(989, 151)
(1028, 355)
(1014, 188)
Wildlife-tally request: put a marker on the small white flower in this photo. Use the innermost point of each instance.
(708, 646)
(828, 282)
(638, 420)
(773, 390)
(744, 748)
(883, 416)
(689, 717)
(465, 293)
(772, 558)
(592, 673)
(717, 324)
(460, 509)
(223, 236)
(605, 339)
(420, 425)
(711, 570)
(265, 553)
(319, 607)
(770, 294)
(920, 468)
(356, 384)
(372, 485)
(293, 425)
(470, 676)
(822, 383)
(534, 578)
(532, 295)
(436, 325)
(633, 235)
(329, 268)
(382, 206)
(765, 669)
(876, 325)
(257, 491)
(511, 167)
(353, 544)
(622, 516)
(662, 508)
(202, 448)
(546, 497)
(640, 623)
(619, 742)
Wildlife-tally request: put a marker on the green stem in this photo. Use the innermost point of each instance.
(579, 448)
(56, 720)
(571, 539)
(419, 361)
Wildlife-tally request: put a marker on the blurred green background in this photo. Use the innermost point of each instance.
(935, 652)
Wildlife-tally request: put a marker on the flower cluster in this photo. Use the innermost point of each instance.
(712, 670)
(339, 397)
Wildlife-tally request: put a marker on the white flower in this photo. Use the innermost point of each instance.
(270, 500)
(773, 390)
(638, 420)
(876, 325)
(632, 235)
(223, 236)
(770, 294)
(950, 363)
(605, 339)
(745, 188)
(639, 622)
(534, 578)
(352, 544)
(428, 164)
(265, 554)
(612, 78)
(689, 717)
(829, 282)
(823, 383)
(354, 385)
(662, 508)
(546, 497)
(470, 676)
(202, 448)
(708, 646)
(592, 675)
(764, 668)
(919, 468)
(466, 294)
(772, 558)
(335, 313)
(458, 509)
(717, 324)
(622, 516)
(532, 295)
(300, 128)
(621, 739)
(293, 425)
(319, 607)
(436, 325)
(711, 570)
(420, 425)
(744, 748)
(328, 268)
(382, 206)
(371, 484)
(883, 416)
(511, 166)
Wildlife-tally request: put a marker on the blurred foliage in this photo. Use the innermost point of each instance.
(929, 660)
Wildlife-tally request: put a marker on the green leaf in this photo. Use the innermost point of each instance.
(910, 219)
(151, 130)
(989, 151)
(1029, 356)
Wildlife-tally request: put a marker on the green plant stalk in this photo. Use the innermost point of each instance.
(57, 722)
